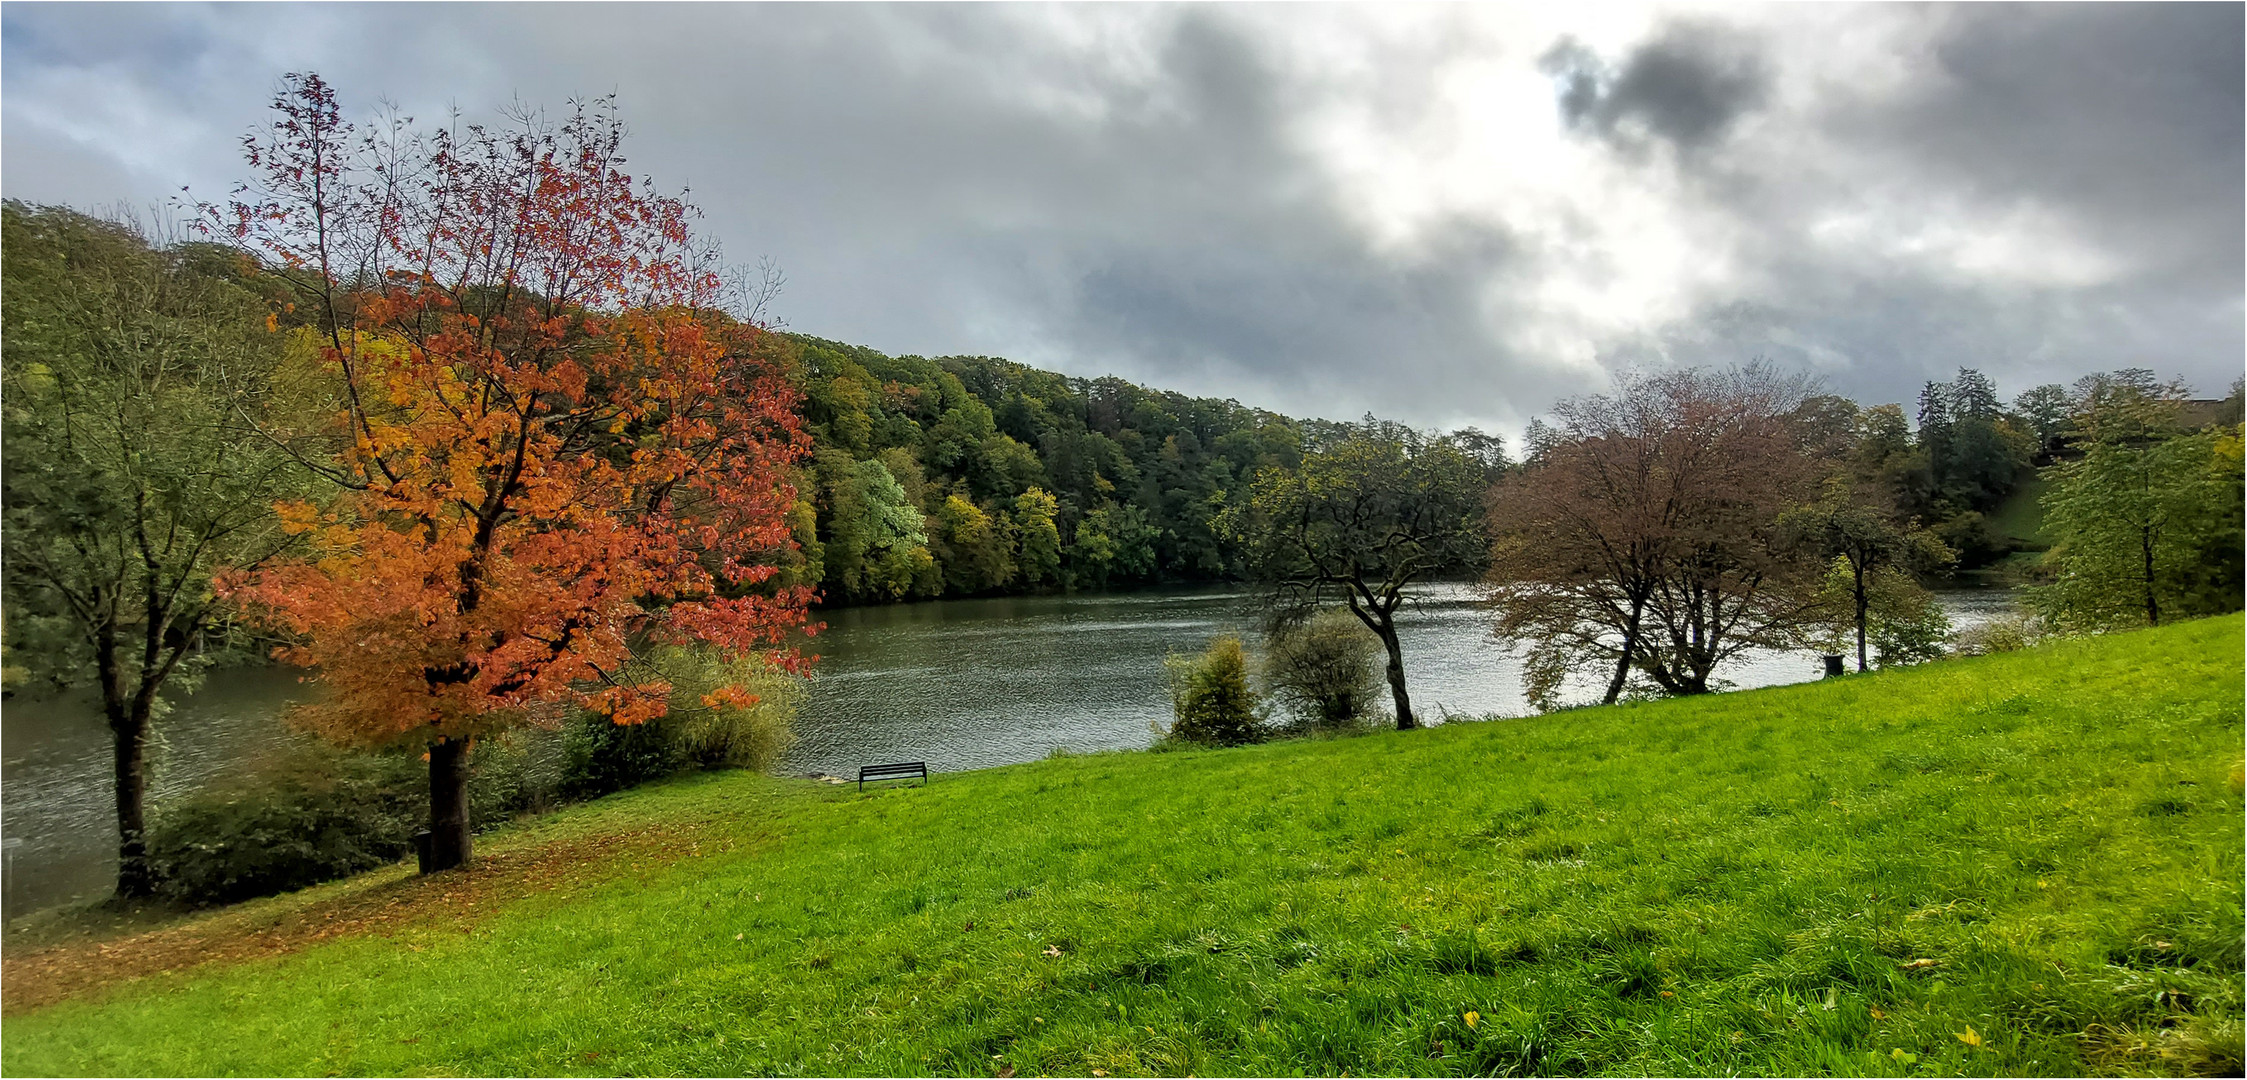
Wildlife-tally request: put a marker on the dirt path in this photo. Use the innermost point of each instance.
(379, 902)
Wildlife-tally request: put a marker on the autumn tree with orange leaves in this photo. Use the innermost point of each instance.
(553, 448)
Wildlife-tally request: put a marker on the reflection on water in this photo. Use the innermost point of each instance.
(960, 684)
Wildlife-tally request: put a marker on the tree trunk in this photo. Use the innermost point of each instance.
(1630, 648)
(448, 806)
(1388, 633)
(2153, 609)
(129, 738)
(1863, 602)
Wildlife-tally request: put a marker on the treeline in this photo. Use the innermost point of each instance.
(963, 476)
(1657, 532)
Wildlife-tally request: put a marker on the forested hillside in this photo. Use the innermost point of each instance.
(965, 475)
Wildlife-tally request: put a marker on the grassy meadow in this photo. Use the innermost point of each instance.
(2028, 863)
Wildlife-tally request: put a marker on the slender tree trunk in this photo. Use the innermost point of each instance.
(2153, 608)
(1388, 633)
(448, 805)
(128, 729)
(1863, 602)
(1630, 649)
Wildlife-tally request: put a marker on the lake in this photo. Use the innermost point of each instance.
(960, 684)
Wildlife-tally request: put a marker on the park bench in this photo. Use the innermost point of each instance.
(899, 771)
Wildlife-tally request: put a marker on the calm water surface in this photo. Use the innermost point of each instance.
(960, 684)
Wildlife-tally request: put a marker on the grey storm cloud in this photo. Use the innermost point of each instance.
(1445, 215)
(1685, 85)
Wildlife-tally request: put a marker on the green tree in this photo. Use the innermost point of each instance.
(877, 540)
(2144, 529)
(2045, 410)
(1900, 617)
(1039, 556)
(974, 548)
(1868, 547)
(1114, 544)
(1362, 519)
(135, 468)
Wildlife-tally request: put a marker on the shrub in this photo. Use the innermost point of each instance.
(601, 756)
(2009, 633)
(309, 815)
(313, 813)
(1325, 671)
(1210, 697)
(753, 735)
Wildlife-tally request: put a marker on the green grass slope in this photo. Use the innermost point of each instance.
(2026, 863)
(2021, 517)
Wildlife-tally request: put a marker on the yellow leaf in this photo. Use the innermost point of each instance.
(1472, 1018)
(1970, 1037)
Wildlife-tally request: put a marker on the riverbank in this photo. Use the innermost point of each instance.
(2028, 862)
(961, 684)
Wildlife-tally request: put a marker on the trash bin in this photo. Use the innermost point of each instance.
(421, 848)
(1833, 665)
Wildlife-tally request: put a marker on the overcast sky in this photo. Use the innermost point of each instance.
(1444, 215)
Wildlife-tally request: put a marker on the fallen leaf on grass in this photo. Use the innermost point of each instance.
(1915, 965)
(1053, 950)
(1472, 1018)
(1970, 1036)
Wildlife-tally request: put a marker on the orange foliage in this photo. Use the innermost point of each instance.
(552, 445)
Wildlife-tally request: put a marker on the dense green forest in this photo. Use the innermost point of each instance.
(966, 475)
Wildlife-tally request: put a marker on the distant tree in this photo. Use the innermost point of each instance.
(1886, 459)
(558, 448)
(1647, 536)
(1114, 544)
(2144, 529)
(974, 548)
(1977, 454)
(1851, 525)
(877, 539)
(2045, 410)
(1039, 557)
(135, 469)
(2126, 407)
(1488, 450)
(1935, 427)
(1368, 513)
